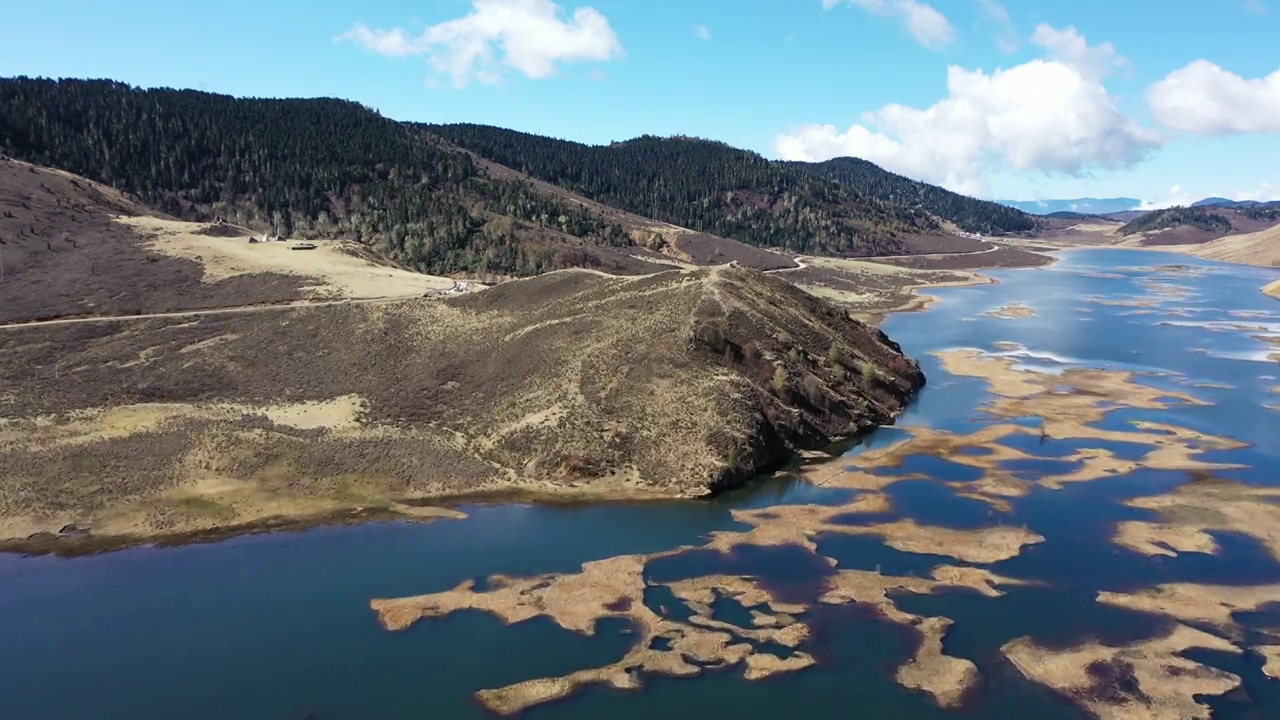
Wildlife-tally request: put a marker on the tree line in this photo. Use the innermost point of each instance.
(970, 214)
(706, 186)
(1197, 217)
(305, 168)
(332, 168)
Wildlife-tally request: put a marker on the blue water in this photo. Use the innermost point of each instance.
(278, 626)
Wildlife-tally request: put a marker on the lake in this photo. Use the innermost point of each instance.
(279, 626)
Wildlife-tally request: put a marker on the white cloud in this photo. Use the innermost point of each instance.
(702, 32)
(1204, 98)
(1070, 47)
(1264, 192)
(1007, 40)
(529, 36)
(1256, 6)
(1047, 115)
(392, 43)
(929, 27)
(1176, 196)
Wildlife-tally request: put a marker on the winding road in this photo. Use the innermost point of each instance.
(801, 265)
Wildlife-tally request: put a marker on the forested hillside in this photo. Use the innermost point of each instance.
(1269, 211)
(304, 167)
(326, 167)
(1197, 217)
(968, 213)
(707, 186)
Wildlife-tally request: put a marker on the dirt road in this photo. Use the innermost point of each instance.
(195, 313)
(801, 265)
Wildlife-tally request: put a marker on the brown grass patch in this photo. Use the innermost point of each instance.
(612, 588)
(1012, 311)
(334, 269)
(1213, 605)
(1149, 679)
(1197, 507)
(65, 256)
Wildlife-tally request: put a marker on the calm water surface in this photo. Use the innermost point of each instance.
(278, 626)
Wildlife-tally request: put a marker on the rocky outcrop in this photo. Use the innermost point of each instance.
(816, 373)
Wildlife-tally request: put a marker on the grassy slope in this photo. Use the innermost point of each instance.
(573, 383)
(1256, 248)
(64, 255)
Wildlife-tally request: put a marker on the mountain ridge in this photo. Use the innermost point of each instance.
(478, 201)
(1084, 206)
(319, 168)
(707, 186)
(969, 214)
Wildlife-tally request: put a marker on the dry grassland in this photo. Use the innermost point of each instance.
(573, 384)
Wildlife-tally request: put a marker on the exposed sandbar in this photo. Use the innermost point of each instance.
(1209, 504)
(800, 524)
(947, 679)
(1271, 656)
(614, 588)
(942, 676)
(1149, 680)
(1012, 311)
(1207, 604)
(1147, 538)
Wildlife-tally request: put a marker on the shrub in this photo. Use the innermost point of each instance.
(867, 370)
(838, 371)
(780, 381)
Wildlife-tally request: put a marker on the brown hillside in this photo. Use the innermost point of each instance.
(64, 255)
(1255, 248)
(1193, 226)
(571, 384)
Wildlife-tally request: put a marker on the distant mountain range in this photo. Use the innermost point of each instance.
(1225, 203)
(1083, 206)
(1109, 206)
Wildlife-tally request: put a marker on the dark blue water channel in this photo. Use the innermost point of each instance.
(278, 627)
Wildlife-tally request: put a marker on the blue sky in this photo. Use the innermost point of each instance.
(1010, 99)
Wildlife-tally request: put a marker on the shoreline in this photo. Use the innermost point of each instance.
(1270, 290)
(923, 301)
(919, 298)
(416, 510)
(420, 510)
